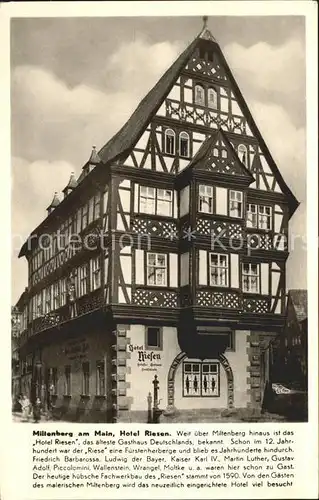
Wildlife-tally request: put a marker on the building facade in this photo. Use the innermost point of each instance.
(166, 256)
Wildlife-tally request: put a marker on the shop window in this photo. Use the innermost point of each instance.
(200, 379)
(100, 378)
(153, 338)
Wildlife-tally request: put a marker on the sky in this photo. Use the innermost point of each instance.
(75, 81)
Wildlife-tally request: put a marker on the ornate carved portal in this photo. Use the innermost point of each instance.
(171, 381)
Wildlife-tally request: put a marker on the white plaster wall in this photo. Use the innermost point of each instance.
(141, 377)
(238, 361)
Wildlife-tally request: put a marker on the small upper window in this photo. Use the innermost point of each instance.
(184, 144)
(169, 141)
(242, 154)
(212, 98)
(199, 95)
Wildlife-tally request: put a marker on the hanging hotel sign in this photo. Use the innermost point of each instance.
(145, 359)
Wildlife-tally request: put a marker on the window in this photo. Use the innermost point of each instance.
(259, 216)
(48, 300)
(62, 292)
(85, 379)
(212, 98)
(91, 210)
(205, 201)
(147, 200)
(199, 95)
(82, 280)
(235, 204)
(242, 154)
(169, 141)
(218, 269)
(100, 378)
(153, 338)
(39, 307)
(200, 379)
(264, 217)
(156, 269)
(184, 144)
(156, 201)
(85, 212)
(97, 205)
(95, 273)
(251, 278)
(78, 221)
(164, 202)
(67, 380)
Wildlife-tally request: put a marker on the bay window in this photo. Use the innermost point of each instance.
(156, 269)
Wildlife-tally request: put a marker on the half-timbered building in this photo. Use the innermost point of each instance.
(166, 256)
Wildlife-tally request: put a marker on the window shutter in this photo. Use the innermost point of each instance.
(173, 270)
(221, 201)
(234, 270)
(136, 198)
(139, 267)
(202, 265)
(264, 278)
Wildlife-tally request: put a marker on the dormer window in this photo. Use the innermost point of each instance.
(199, 95)
(169, 141)
(212, 98)
(242, 154)
(184, 144)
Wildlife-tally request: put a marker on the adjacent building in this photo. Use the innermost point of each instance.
(165, 256)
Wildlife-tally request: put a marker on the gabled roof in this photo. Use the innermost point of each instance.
(204, 157)
(129, 134)
(135, 126)
(300, 303)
